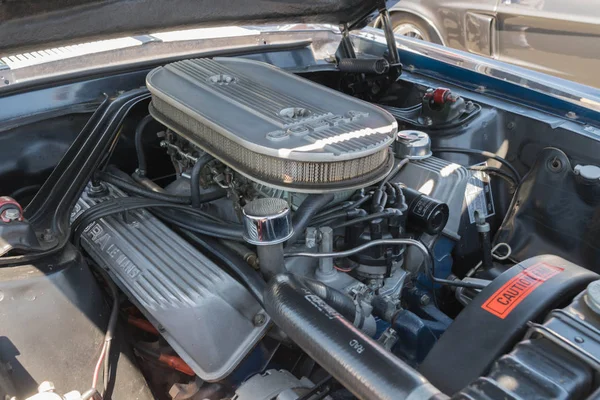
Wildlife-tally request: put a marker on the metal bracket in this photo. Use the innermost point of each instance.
(345, 49)
(571, 334)
(388, 30)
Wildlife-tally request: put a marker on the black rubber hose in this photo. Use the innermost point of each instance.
(354, 359)
(388, 212)
(198, 221)
(224, 231)
(486, 251)
(482, 153)
(139, 145)
(344, 206)
(311, 205)
(245, 274)
(331, 217)
(133, 188)
(354, 213)
(336, 299)
(393, 172)
(507, 177)
(376, 66)
(197, 199)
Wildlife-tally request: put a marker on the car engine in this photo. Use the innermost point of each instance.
(277, 238)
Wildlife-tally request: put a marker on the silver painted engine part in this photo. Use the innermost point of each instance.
(310, 268)
(273, 385)
(428, 257)
(414, 145)
(358, 249)
(202, 312)
(295, 199)
(326, 271)
(441, 180)
(273, 127)
(267, 224)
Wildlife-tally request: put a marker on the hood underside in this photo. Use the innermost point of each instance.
(31, 24)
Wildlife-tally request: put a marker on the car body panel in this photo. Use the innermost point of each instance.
(318, 43)
(522, 86)
(557, 37)
(32, 25)
(446, 17)
(479, 33)
(552, 36)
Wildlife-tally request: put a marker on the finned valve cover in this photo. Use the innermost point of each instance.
(272, 126)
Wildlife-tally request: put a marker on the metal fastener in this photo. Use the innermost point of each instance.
(259, 319)
(47, 235)
(312, 237)
(12, 214)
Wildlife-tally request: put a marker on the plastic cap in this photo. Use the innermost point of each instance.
(588, 172)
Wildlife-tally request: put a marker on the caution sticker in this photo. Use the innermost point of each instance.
(518, 288)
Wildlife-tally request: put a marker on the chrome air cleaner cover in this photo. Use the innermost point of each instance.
(272, 126)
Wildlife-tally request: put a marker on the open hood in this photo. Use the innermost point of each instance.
(32, 24)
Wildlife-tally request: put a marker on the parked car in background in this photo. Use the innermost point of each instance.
(556, 37)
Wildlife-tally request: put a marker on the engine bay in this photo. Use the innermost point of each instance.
(235, 231)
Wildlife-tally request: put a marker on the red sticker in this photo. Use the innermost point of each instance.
(518, 288)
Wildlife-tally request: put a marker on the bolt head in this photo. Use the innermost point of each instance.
(424, 300)
(12, 214)
(47, 235)
(312, 237)
(259, 319)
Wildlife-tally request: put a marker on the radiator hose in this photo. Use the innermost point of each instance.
(354, 359)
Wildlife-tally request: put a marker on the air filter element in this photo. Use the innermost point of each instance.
(274, 127)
